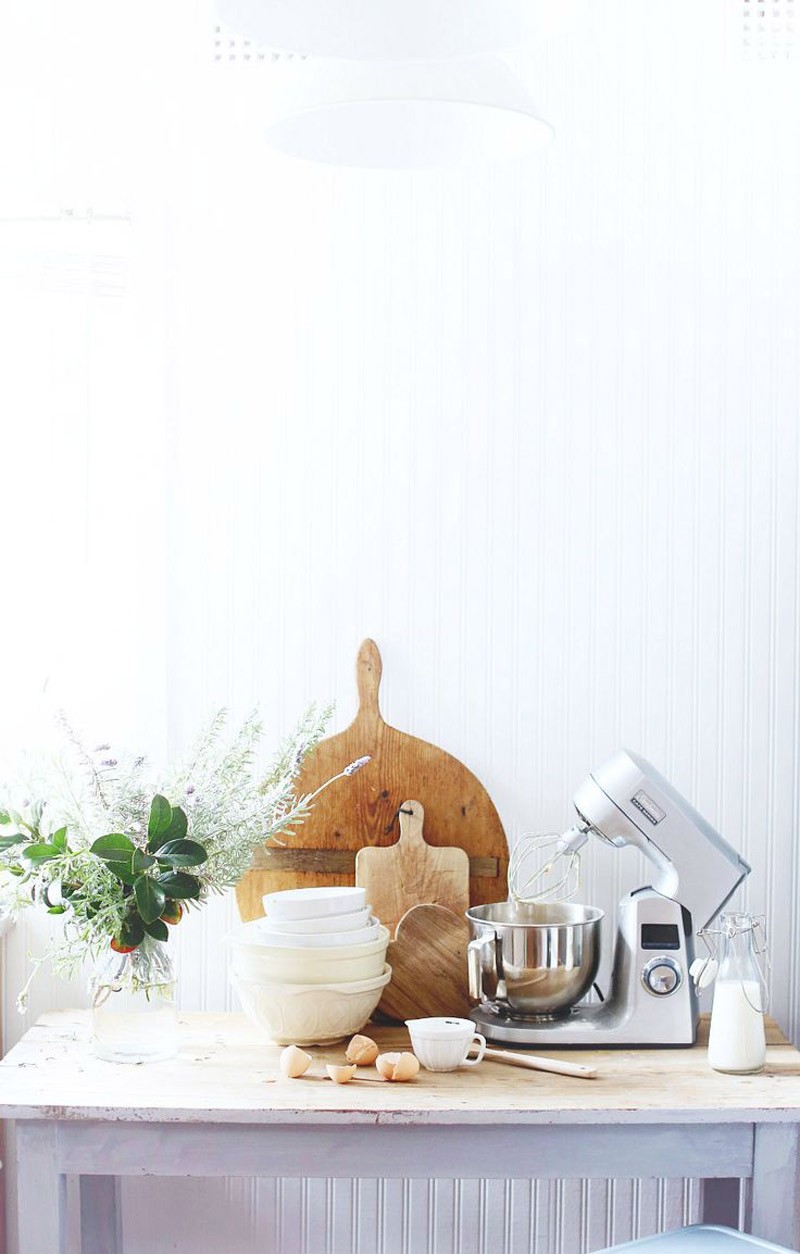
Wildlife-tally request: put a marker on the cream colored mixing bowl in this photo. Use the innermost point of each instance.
(302, 1014)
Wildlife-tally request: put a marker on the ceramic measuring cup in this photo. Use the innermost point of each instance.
(443, 1044)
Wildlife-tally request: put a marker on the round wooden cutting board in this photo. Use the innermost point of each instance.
(428, 957)
(363, 810)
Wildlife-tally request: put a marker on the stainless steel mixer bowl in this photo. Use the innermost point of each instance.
(534, 960)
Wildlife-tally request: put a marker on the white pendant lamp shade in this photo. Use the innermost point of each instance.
(406, 115)
(390, 30)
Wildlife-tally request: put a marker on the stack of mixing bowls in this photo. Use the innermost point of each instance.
(313, 969)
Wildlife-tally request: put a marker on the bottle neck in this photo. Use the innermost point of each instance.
(738, 954)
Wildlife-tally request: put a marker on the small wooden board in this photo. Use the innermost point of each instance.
(412, 872)
(428, 958)
(363, 810)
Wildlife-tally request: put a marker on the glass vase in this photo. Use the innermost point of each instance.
(133, 1005)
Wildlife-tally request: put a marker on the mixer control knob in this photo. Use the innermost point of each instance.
(662, 976)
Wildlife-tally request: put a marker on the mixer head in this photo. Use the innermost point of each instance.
(627, 802)
(546, 868)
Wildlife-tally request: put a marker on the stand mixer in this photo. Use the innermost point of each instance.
(533, 960)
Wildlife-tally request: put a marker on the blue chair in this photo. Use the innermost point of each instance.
(702, 1239)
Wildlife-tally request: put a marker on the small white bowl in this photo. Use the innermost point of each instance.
(292, 1014)
(311, 903)
(322, 923)
(320, 940)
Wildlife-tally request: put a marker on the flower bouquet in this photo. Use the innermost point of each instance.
(122, 853)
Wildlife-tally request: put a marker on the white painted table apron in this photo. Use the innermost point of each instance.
(222, 1109)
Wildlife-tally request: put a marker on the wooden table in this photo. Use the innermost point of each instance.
(222, 1109)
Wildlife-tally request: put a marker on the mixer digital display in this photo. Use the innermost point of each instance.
(660, 936)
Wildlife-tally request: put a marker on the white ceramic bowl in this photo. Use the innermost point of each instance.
(312, 903)
(293, 1014)
(253, 959)
(319, 940)
(322, 923)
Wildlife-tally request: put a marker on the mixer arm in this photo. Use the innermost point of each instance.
(667, 880)
(620, 831)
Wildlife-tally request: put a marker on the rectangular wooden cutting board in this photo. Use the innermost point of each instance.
(411, 872)
(363, 811)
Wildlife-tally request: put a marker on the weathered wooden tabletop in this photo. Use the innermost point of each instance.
(226, 1073)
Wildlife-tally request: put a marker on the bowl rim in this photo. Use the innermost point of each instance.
(235, 940)
(594, 915)
(316, 897)
(353, 986)
(295, 927)
(320, 940)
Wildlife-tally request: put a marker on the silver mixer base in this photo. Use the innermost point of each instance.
(588, 1027)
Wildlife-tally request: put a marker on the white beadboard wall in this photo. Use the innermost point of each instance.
(534, 429)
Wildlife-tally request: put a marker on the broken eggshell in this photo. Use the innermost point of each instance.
(294, 1062)
(340, 1074)
(397, 1066)
(362, 1050)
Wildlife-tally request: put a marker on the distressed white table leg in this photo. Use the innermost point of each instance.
(41, 1190)
(775, 1207)
(101, 1226)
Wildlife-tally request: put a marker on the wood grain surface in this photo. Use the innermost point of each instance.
(226, 1071)
(363, 810)
(428, 958)
(412, 872)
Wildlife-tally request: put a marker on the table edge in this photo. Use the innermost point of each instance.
(419, 1118)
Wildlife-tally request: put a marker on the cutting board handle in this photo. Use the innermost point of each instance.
(369, 669)
(412, 816)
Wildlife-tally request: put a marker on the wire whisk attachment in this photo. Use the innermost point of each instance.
(546, 867)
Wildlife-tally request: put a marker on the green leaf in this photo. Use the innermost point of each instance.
(150, 898)
(157, 929)
(114, 848)
(182, 853)
(59, 839)
(178, 884)
(141, 860)
(41, 852)
(57, 909)
(160, 819)
(175, 830)
(7, 842)
(179, 825)
(123, 871)
(5, 817)
(132, 930)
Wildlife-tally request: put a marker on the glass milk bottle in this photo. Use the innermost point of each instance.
(736, 1041)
